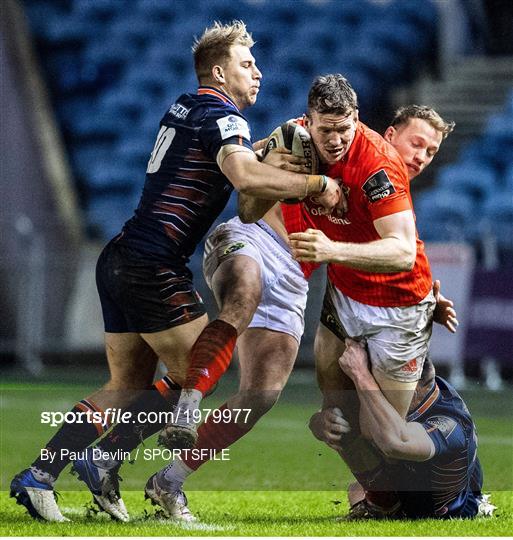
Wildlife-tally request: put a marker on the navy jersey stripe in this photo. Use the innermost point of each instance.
(185, 190)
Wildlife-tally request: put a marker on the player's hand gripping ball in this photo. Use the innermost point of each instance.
(295, 138)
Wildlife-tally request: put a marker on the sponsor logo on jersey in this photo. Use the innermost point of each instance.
(231, 126)
(338, 220)
(233, 247)
(179, 111)
(378, 186)
(321, 211)
(444, 424)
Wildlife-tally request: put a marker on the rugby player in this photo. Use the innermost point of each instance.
(379, 281)
(385, 267)
(150, 307)
(432, 462)
(268, 348)
(273, 302)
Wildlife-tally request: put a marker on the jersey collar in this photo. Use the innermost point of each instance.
(425, 404)
(202, 90)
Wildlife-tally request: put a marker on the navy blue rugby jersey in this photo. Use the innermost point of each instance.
(447, 484)
(185, 191)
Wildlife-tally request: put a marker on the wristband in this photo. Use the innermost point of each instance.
(315, 183)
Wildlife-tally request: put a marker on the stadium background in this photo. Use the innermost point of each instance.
(84, 85)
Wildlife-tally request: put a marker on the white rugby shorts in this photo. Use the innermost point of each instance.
(284, 287)
(397, 338)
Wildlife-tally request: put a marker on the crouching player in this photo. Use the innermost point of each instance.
(431, 464)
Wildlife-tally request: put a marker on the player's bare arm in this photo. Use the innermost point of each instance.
(251, 209)
(251, 177)
(394, 252)
(395, 437)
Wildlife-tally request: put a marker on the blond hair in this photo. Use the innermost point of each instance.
(403, 115)
(213, 47)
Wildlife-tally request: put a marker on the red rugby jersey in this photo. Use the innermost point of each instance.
(376, 183)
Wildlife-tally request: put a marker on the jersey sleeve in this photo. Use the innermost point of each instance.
(386, 192)
(447, 434)
(223, 127)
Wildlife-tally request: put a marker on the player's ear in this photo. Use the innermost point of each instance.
(389, 134)
(218, 74)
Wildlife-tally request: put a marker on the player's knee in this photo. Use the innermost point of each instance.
(238, 311)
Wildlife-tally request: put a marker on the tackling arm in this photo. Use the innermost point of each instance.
(251, 209)
(393, 435)
(251, 177)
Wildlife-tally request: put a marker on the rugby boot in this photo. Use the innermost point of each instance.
(485, 508)
(104, 485)
(364, 510)
(173, 503)
(180, 437)
(37, 497)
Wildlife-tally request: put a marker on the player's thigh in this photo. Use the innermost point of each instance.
(132, 366)
(131, 361)
(247, 268)
(266, 359)
(333, 382)
(173, 345)
(398, 393)
(237, 287)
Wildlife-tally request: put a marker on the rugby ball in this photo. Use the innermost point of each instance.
(296, 139)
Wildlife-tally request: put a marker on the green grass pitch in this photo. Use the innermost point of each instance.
(278, 481)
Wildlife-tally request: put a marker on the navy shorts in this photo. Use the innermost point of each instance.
(138, 295)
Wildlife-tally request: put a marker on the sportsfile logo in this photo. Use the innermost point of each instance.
(117, 416)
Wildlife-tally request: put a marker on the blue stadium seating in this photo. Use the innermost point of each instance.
(111, 177)
(444, 215)
(498, 217)
(482, 174)
(114, 66)
(508, 179)
(472, 178)
(106, 214)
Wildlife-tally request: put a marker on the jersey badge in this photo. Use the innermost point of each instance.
(179, 111)
(233, 247)
(378, 186)
(232, 126)
(444, 424)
